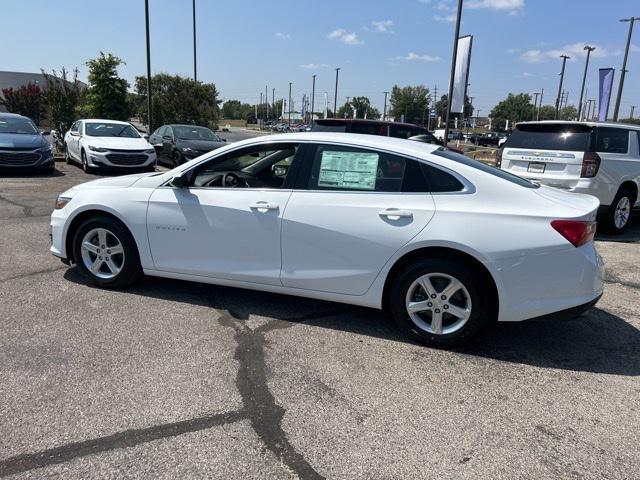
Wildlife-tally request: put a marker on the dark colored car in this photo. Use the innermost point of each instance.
(368, 127)
(176, 144)
(22, 146)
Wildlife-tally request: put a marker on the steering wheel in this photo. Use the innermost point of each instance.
(232, 180)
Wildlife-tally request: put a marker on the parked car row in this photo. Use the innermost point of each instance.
(176, 144)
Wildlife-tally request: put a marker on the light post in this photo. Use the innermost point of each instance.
(384, 111)
(453, 71)
(633, 108)
(540, 106)
(146, 22)
(588, 49)
(564, 61)
(335, 95)
(195, 68)
(289, 108)
(313, 97)
(535, 102)
(624, 66)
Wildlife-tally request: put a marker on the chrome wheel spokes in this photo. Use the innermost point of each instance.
(102, 253)
(438, 303)
(622, 212)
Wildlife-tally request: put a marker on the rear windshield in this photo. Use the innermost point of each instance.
(553, 136)
(496, 172)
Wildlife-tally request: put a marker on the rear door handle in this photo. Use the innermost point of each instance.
(264, 206)
(395, 213)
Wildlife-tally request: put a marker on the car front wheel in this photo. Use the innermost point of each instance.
(106, 253)
(440, 302)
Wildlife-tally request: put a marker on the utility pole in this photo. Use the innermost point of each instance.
(266, 103)
(434, 102)
(195, 67)
(624, 66)
(346, 112)
(469, 119)
(453, 71)
(273, 104)
(335, 95)
(384, 111)
(564, 61)
(261, 110)
(313, 97)
(535, 102)
(149, 113)
(289, 104)
(326, 104)
(540, 106)
(588, 49)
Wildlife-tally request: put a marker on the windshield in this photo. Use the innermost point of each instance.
(96, 129)
(551, 136)
(496, 172)
(195, 133)
(17, 125)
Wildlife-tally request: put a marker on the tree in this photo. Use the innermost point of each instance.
(27, 100)
(178, 99)
(107, 93)
(362, 107)
(235, 110)
(568, 113)
(409, 101)
(514, 108)
(441, 108)
(63, 98)
(547, 112)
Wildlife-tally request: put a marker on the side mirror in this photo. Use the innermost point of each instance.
(45, 133)
(181, 181)
(145, 136)
(167, 138)
(75, 134)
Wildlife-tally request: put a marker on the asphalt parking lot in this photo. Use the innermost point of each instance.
(181, 380)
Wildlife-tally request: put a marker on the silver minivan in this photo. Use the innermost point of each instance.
(600, 159)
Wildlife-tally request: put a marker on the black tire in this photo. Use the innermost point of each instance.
(84, 163)
(67, 157)
(473, 282)
(611, 220)
(130, 272)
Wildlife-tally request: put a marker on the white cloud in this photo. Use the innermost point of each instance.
(504, 5)
(412, 57)
(445, 18)
(283, 36)
(511, 51)
(382, 26)
(574, 50)
(348, 38)
(314, 66)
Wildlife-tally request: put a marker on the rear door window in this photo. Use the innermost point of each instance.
(611, 140)
(551, 136)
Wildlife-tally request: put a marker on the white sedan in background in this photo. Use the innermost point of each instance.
(108, 144)
(446, 243)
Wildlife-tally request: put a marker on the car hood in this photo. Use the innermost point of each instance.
(114, 182)
(587, 204)
(200, 145)
(119, 143)
(18, 140)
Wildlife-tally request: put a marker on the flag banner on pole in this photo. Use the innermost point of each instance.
(606, 84)
(460, 80)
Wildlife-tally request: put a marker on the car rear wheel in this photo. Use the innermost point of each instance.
(616, 218)
(106, 253)
(440, 302)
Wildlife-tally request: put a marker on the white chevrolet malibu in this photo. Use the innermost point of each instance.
(445, 243)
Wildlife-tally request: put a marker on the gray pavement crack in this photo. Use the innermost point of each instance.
(612, 279)
(26, 209)
(125, 439)
(32, 274)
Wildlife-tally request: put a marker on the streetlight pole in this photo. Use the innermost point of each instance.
(589, 49)
(335, 95)
(453, 71)
(384, 111)
(535, 102)
(266, 103)
(195, 65)
(289, 104)
(313, 96)
(564, 61)
(146, 22)
(624, 66)
(540, 106)
(633, 108)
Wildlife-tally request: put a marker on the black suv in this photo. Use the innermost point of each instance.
(22, 146)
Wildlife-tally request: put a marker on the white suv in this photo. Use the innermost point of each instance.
(108, 144)
(601, 159)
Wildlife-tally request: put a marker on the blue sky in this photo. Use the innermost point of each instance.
(244, 45)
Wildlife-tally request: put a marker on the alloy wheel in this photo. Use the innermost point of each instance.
(622, 212)
(438, 303)
(102, 253)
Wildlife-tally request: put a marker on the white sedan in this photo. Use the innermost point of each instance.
(446, 243)
(108, 144)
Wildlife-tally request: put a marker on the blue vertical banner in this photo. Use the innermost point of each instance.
(606, 84)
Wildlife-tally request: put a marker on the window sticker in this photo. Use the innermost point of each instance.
(353, 170)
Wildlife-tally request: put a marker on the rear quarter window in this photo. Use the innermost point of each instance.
(611, 140)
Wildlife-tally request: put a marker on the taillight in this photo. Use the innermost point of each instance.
(577, 232)
(499, 158)
(590, 165)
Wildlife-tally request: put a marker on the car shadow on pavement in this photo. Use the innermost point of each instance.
(597, 342)
(630, 235)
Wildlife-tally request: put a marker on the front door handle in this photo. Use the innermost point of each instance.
(395, 213)
(264, 206)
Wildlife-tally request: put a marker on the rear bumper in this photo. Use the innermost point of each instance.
(568, 313)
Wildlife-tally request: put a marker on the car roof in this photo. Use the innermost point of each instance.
(396, 145)
(102, 120)
(183, 125)
(335, 121)
(12, 115)
(589, 124)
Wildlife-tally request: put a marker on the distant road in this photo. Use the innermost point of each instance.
(239, 133)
